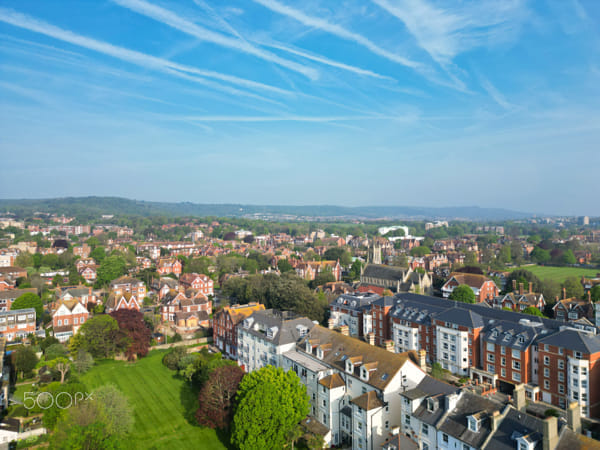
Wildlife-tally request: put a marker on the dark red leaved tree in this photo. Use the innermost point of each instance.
(216, 397)
(137, 334)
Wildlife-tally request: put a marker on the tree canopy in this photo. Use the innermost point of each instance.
(133, 328)
(29, 300)
(100, 336)
(525, 277)
(269, 404)
(463, 293)
(217, 395)
(533, 311)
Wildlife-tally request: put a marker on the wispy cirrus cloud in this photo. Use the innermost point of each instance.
(493, 92)
(337, 30)
(326, 61)
(295, 118)
(140, 59)
(445, 33)
(175, 21)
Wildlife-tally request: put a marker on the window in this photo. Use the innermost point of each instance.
(516, 365)
(546, 360)
(76, 320)
(503, 372)
(324, 403)
(583, 371)
(490, 357)
(561, 376)
(516, 376)
(473, 424)
(406, 419)
(466, 447)
(490, 347)
(561, 389)
(503, 361)
(503, 350)
(561, 351)
(578, 355)
(546, 384)
(575, 368)
(561, 364)
(546, 372)
(424, 429)
(59, 322)
(445, 438)
(575, 395)
(490, 368)
(516, 354)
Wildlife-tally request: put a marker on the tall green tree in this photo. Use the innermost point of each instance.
(573, 287)
(463, 293)
(595, 293)
(100, 336)
(270, 403)
(110, 268)
(25, 361)
(29, 300)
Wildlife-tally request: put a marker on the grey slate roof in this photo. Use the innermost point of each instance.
(455, 423)
(383, 272)
(355, 302)
(286, 324)
(430, 387)
(514, 425)
(573, 340)
(460, 316)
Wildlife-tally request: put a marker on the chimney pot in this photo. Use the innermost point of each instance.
(564, 293)
(520, 288)
(531, 287)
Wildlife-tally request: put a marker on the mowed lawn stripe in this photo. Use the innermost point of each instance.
(155, 394)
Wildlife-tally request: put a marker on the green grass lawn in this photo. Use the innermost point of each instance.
(559, 274)
(164, 405)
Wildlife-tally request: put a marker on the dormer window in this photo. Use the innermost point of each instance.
(364, 374)
(431, 405)
(320, 353)
(473, 424)
(308, 347)
(349, 366)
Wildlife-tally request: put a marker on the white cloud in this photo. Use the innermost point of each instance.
(138, 58)
(445, 33)
(173, 20)
(337, 30)
(494, 93)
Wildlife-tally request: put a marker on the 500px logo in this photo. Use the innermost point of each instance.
(46, 400)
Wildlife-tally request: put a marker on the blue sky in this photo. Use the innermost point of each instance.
(367, 102)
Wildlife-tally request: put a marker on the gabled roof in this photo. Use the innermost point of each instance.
(383, 272)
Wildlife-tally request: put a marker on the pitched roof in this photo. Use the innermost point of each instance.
(459, 316)
(284, 325)
(16, 293)
(368, 401)
(383, 272)
(514, 425)
(340, 347)
(573, 340)
(471, 279)
(332, 381)
(455, 422)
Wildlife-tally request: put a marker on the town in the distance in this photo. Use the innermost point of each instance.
(172, 331)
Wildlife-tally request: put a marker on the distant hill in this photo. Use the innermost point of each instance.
(94, 207)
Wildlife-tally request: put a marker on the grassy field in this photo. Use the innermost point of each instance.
(164, 405)
(559, 274)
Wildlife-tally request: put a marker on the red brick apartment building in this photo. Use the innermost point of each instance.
(225, 322)
(557, 361)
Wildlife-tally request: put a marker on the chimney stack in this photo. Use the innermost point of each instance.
(531, 287)
(564, 293)
(590, 296)
(574, 417)
(331, 324)
(422, 360)
(514, 285)
(550, 439)
(521, 289)
(495, 420)
(371, 338)
(345, 330)
(519, 400)
(388, 344)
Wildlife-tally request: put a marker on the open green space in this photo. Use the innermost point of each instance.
(164, 404)
(558, 274)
